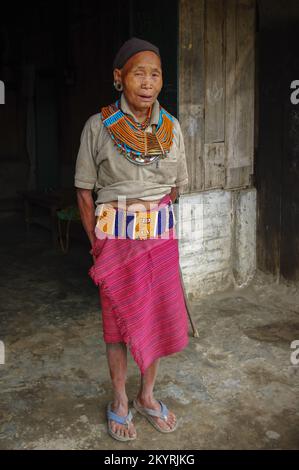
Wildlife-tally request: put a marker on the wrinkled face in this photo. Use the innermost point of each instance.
(141, 78)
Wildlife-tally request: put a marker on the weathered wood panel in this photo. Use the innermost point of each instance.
(216, 91)
(240, 177)
(214, 165)
(191, 87)
(289, 230)
(245, 75)
(277, 163)
(239, 135)
(270, 150)
(215, 71)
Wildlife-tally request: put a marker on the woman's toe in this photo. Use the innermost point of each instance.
(119, 431)
(132, 432)
(171, 420)
(164, 425)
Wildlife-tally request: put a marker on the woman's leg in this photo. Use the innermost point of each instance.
(117, 361)
(146, 399)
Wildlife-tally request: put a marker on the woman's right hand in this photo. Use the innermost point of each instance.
(91, 250)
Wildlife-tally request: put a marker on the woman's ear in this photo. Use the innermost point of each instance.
(117, 75)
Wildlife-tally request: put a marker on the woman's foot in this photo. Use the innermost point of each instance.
(122, 430)
(153, 404)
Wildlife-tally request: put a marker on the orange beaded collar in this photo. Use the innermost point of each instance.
(132, 140)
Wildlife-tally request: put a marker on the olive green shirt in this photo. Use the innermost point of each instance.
(100, 165)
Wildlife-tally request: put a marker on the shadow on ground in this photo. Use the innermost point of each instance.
(234, 387)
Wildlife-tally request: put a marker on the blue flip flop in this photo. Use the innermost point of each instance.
(121, 420)
(148, 413)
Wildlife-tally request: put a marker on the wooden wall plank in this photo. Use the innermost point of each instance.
(239, 129)
(230, 83)
(245, 82)
(214, 165)
(216, 91)
(240, 177)
(215, 70)
(191, 87)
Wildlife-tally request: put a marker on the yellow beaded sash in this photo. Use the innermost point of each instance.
(114, 222)
(132, 140)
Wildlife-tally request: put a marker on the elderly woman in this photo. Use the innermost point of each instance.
(132, 154)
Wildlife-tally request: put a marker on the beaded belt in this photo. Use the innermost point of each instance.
(139, 225)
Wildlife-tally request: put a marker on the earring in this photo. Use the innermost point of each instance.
(118, 86)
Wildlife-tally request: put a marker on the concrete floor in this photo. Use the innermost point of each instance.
(234, 387)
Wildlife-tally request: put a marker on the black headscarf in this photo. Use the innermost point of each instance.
(131, 47)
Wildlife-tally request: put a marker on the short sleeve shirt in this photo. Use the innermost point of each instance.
(101, 167)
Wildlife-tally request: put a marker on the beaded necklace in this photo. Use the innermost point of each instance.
(138, 146)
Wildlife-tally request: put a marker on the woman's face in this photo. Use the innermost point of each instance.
(141, 78)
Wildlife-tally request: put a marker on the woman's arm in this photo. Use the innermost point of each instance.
(174, 193)
(87, 212)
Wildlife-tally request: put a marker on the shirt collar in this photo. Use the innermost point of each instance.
(155, 115)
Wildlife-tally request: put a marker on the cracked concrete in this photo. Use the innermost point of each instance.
(234, 387)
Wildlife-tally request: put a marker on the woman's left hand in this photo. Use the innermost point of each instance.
(173, 194)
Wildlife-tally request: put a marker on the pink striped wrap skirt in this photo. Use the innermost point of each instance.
(141, 294)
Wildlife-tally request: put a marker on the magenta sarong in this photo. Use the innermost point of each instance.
(141, 295)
